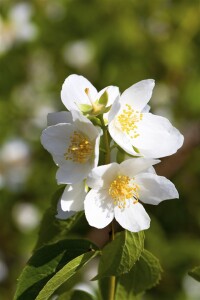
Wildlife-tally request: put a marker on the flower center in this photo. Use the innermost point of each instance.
(128, 120)
(80, 149)
(123, 188)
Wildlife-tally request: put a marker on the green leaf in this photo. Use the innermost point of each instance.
(120, 156)
(75, 295)
(103, 100)
(46, 262)
(85, 108)
(64, 274)
(195, 273)
(104, 287)
(145, 274)
(94, 120)
(136, 149)
(119, 256)
(52, 229)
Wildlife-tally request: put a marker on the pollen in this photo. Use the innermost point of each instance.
(128, 121)
(122, 189)
(80, 148)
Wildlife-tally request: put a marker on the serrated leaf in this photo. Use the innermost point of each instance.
(145, 274)
(52, 229)
(195, 273)
(46, 262)
(75, 295)
(119, 256)
(64, 274)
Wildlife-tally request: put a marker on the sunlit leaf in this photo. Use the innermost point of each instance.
(119, 256)
(64, 274)
(49, 260)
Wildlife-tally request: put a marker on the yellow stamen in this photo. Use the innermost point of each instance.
(80, 149)
(128, 120)
(87, 91)
(122, 189)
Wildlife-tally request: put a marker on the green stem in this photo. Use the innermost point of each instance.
(106, 140)
(112, 279)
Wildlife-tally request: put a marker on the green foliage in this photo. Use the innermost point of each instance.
(131, 41)
(119, 256)
(64, 274)
(85, 108)
(48, 263)
(52, 229)
(195, 273)
(145, 274)
(103, 99)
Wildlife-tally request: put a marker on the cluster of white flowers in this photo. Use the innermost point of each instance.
(110, 190)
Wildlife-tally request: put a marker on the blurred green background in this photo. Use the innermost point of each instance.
(110, 42)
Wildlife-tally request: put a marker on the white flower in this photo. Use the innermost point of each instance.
(79, 94)
(117, 190)
(73, 141)
(136, 130)
(71, 200)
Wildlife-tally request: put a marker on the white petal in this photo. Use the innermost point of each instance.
(71, 172)
(138, 95)
(73, 92)
(73, 197)
(154, 188)
(96, 150)
(158, 138)
(98, 208)
(113, 93)
(85, 126)
(133, 218)
(146, 109)
(102, 176)
(151, 170)
(133, 166)
(122, 139)
(115, 108)
(56, 138)
(63, 215)
(59, 117)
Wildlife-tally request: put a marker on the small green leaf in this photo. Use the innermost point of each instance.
(75, 295)
(120, 156)
(64, 274)
(119, 256)
(195, 273)
(94, 120)
(106, 109)
(52, 229)
(46, 262)
(85, 108)
(145, 274)
(103, 100)
(136, 149)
